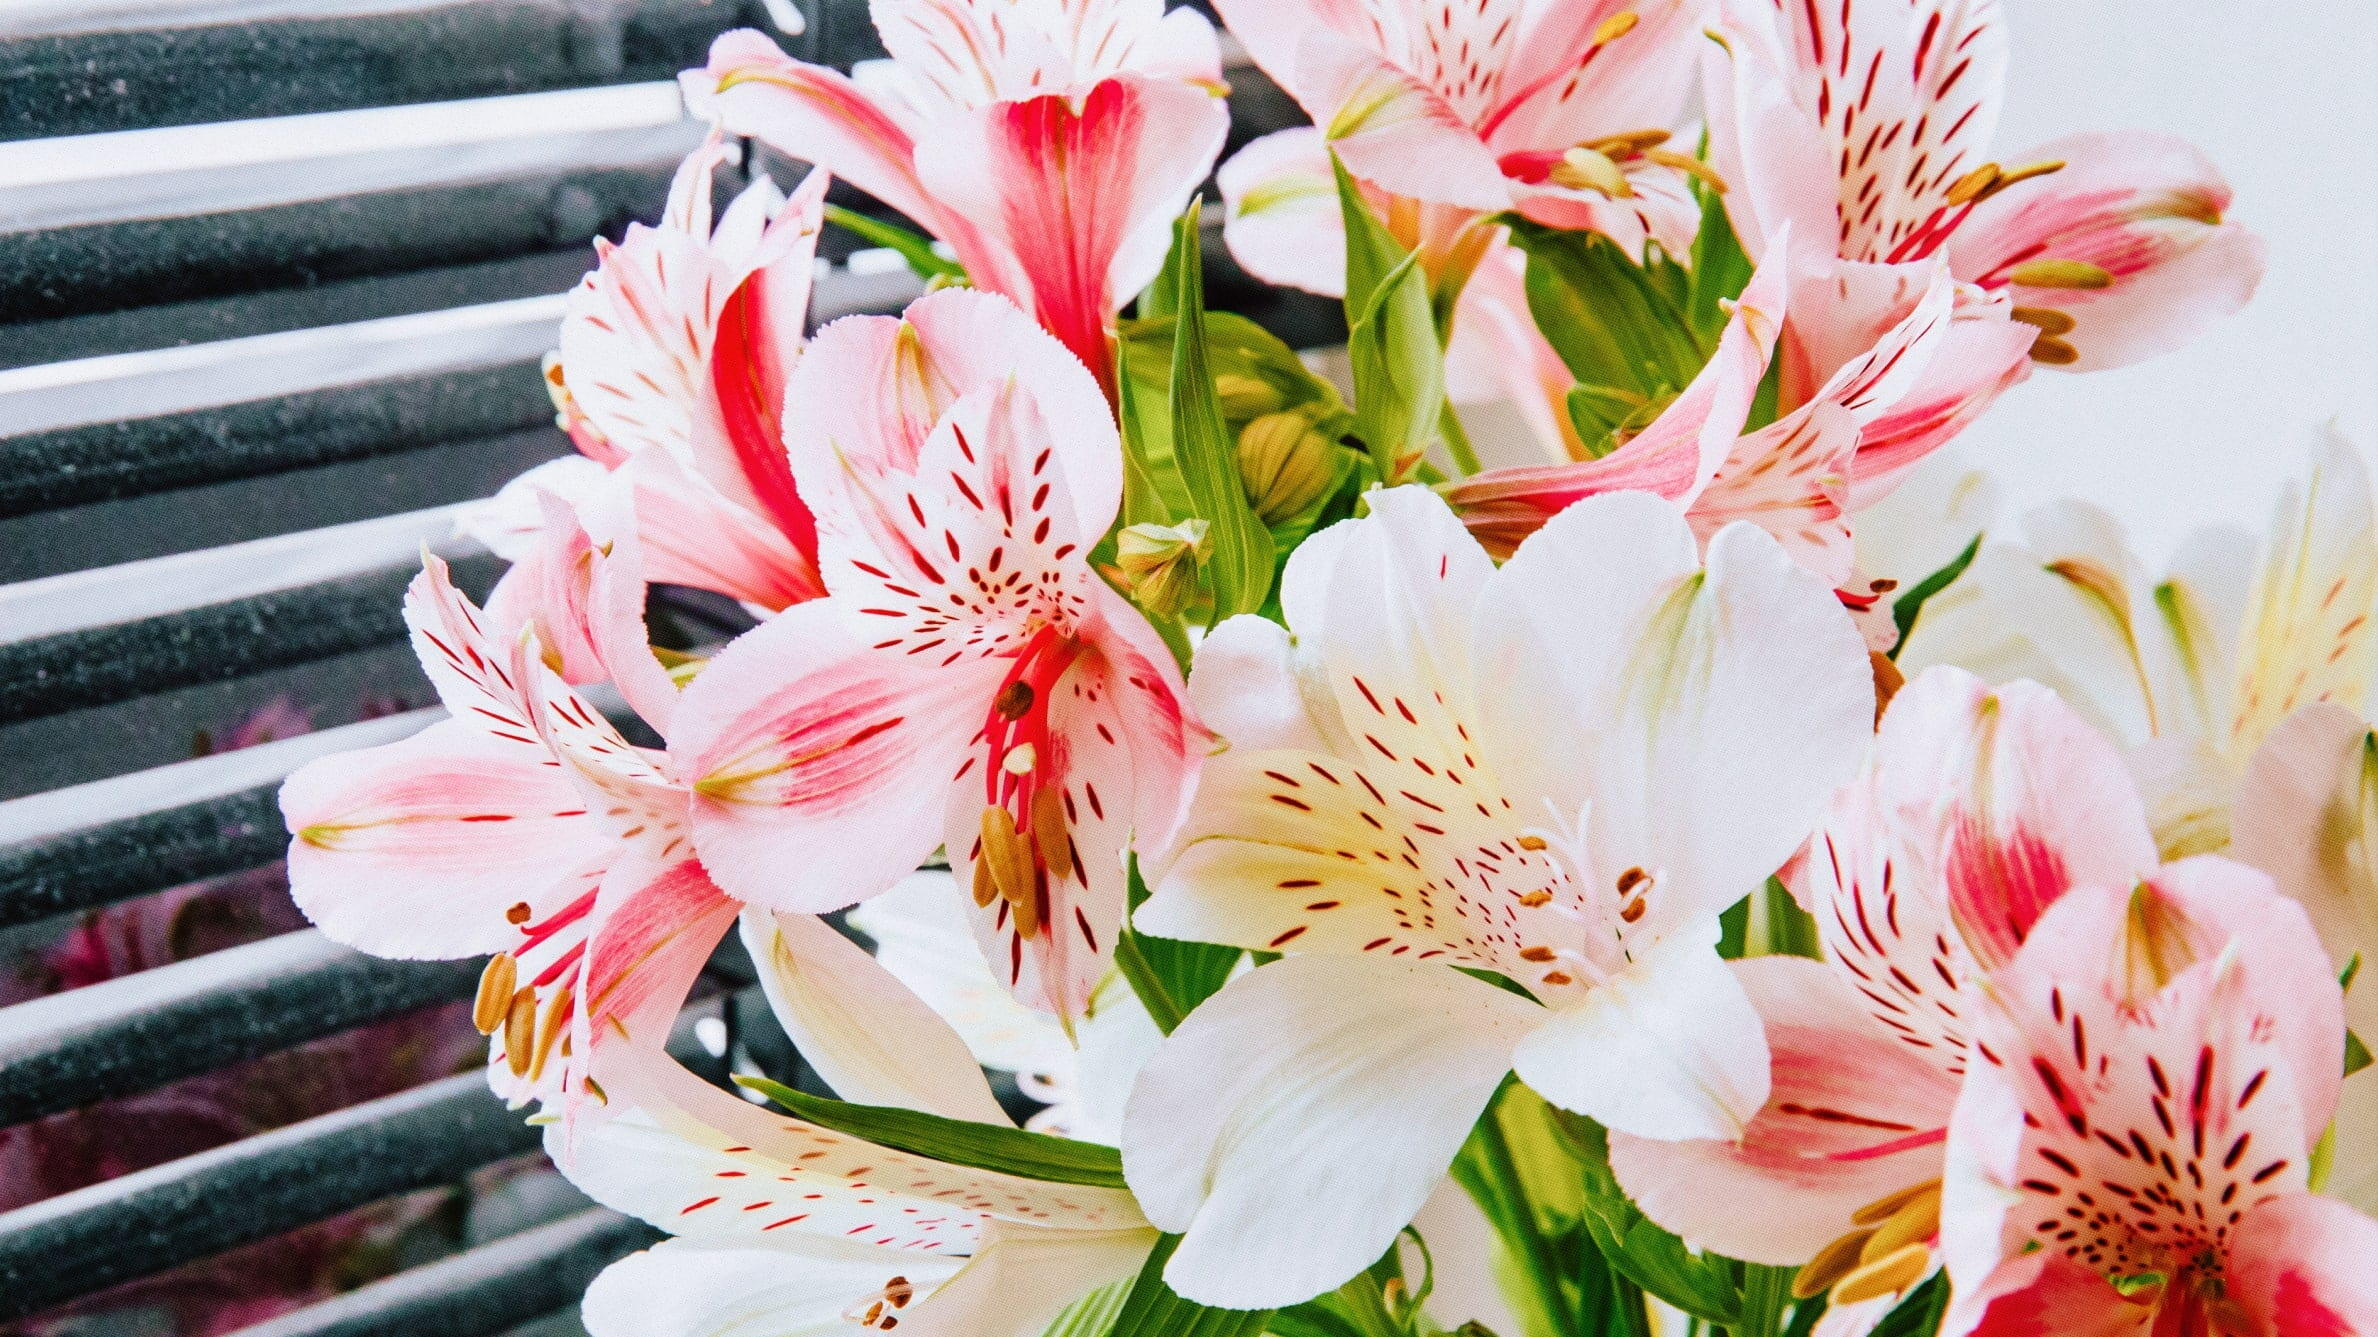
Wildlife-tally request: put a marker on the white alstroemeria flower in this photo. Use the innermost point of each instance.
(923, 937)
(1561, 772)
(2241, 684)
(786, 1229)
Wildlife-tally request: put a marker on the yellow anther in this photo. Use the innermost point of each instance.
(1020, 759)
(2060, 274)
(520, 1031)
(2054, 352)
(1535, 954)
(2046, 319)
(1689, 165)
(1582, 168)
(2008, 178)
(1887, 1275)
(1616, 26)
(1630, 142)
(1007, 856)
(1974, 184)
(495, 992)
(1884, 1208)
(1916, 1222)
(1532, 842)
(1049, 832)
(1832, 1263)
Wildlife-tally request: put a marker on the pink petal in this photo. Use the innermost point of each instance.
(815, 761)
(1560, 88)
(1675, 456)
(2147, 209)
(1081, 190)
(654, 927)
(416, 849)
(809, 113)
(693, 535)
(1791, 479)
(1840, 1086)
(1392, 130)
(1283, 222)
(2301, 1266)
(2047, 1294)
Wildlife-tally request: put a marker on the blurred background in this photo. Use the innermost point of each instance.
(274, 279)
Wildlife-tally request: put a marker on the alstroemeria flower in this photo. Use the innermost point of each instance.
(786, 1228)
(1897, 392)
(671, 380)
(1561, 771)
(2130, 1150)
(1557, 110)
(970, 682)
(1865, 128)
(524, 826)
(1049, 145)
(2191, 670)
(1979, 808)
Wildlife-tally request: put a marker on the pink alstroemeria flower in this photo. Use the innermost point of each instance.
(1049, 145)
(1885, 402)
(671, 381)
(1981, 809)
(2130, 1152)
(1865, 127)
(970, 682)
(1557, 110)
(524, 826)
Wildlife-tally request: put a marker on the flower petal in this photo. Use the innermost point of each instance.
(808, 751)
(1080, 189)
(2147, 210)
(1392, 130)
(811, 114)
(1283, 223)
(866, 1034)
(1299, 1118)
(2301, 1266)
(801, 1287)
(922, 936)
(2308, 635)
(1022, 1278)
(415, 849)
(1668, 1048)
(1841, 1087)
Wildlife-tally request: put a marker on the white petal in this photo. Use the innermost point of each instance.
(871, 1039)
(1022, 1278)
(690, 1288)
(1299, 1119)
(923, 936)
(1669, 1048)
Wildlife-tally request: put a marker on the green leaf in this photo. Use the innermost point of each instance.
(1720, 268)
(2357, 1054)
(915, 248)
(1702, 1285)
(1151, 1309)
(1397, 360)
(1091, 1315)
(1239, 571)
(984, 1146)
(1614, 322)
(1903, 613)
(1170, 977)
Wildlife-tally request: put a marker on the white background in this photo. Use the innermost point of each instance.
(2283, 95)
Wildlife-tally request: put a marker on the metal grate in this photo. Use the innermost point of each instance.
(246, 372)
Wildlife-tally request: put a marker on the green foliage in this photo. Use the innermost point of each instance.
(915, 248)
(1151, 1309)
(1720, 269)
(1092, 1315)
(1392, 341)
(1170, 977)
(1239, 573)
(1703, 1285)
(984, 1146)
(1911, 603)
(1620, 327)
(2357, 1054)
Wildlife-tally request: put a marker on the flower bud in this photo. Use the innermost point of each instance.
(1245, 397)
(1159, 563)
(1285, 465)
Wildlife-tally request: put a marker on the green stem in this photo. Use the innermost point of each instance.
(1457, 440)
(1524, 1233)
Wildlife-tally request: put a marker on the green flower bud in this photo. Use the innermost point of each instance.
(1285, 464)
(1159, 564)
(1245, 397)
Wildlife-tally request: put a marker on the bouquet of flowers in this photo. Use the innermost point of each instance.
(1671, 862)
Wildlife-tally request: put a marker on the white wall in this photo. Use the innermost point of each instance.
(2283, 94)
